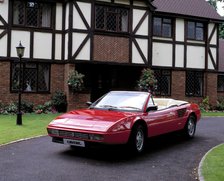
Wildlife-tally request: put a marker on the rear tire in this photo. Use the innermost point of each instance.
(137, 139)
(190, 127)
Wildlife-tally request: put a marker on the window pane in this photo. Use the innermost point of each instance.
(99, 17)
(123, 21)
(32, 15)
(45, 15)
(167, 30)
(30, 80)
(199, 34)
(191, 30)
(35, 77)
(111, 19)
(163, 82)
(111, 22)
(15, 77)
(194, 84)
(220, 82)
(157, 26)
(18, 13)
(43, 77)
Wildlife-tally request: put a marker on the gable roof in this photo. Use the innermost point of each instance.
(195, 8)
(221, 55)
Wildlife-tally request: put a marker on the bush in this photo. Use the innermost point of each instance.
(59, 101)
(147, 80)
(220, 103)
(204, 105)
(75, 81)
(26, 107)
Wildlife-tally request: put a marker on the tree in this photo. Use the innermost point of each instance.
(221, 26)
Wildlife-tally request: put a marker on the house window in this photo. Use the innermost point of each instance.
(221, 83)
(163, 82)
(162, 27)
(111, 19)
(34, 77)
(32, 14)
(195, 31)
(194, 84)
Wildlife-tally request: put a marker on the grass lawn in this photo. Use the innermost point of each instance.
(33, 125)
(213, 165)
(213, 113)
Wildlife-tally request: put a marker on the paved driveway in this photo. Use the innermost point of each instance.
(167, 158)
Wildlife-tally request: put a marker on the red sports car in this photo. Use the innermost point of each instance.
(125, 117)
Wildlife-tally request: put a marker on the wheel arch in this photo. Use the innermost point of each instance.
(143, 123)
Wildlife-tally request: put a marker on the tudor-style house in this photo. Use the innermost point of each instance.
(110, 42)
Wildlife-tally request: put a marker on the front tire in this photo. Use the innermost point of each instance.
(137, 139)
(190, 127)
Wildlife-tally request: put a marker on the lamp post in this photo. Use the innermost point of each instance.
(20, 52)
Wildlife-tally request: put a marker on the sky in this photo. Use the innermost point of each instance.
(220, 6)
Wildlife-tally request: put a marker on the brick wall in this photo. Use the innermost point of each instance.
(178, 87)
(111, 49)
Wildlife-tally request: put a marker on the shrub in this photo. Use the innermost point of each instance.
(204, 105)
(27, 107)
(75, 80)
(220, 103)
(147, 80)
(59, 101)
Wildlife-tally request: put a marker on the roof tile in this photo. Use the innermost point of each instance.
(196, 8)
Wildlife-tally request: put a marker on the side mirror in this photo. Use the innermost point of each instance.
(89, 103)
(152, 108)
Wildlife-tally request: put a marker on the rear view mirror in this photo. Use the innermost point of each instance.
(89, 103)
(152, 108)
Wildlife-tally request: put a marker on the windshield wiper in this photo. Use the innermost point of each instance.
(108, 106)
(129, 107)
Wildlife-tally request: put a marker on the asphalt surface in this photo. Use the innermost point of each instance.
(167, 158)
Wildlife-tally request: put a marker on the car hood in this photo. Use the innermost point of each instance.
(89, 119)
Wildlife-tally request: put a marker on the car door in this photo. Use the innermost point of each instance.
(161, 121)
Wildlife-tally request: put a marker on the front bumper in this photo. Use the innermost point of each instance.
(120, 137)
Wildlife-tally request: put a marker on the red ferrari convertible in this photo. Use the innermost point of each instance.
(124, 117)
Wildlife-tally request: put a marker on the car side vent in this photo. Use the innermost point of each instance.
(181, 112)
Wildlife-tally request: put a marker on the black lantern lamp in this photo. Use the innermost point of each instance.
(20, 52)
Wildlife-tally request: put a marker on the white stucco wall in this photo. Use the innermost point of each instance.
(137, 15)
(179, 30)
(3, 46)
(77, 40)
(4, 10)
(162, 54)
(214, 37)
(24, 37)
(42, 45)
(179, 59)
(195, 57)
(210, 65)
(86, 11)
(58, 46)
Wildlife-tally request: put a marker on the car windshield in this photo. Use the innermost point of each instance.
(132, 101)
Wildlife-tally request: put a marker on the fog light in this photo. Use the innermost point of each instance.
(95, 137)
(53, 132)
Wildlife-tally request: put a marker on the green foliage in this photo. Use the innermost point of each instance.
(204, 105)
(147, 80)
(59, 101)
(27, 107)
(46, 108)
(75, 80)
(220, 103)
